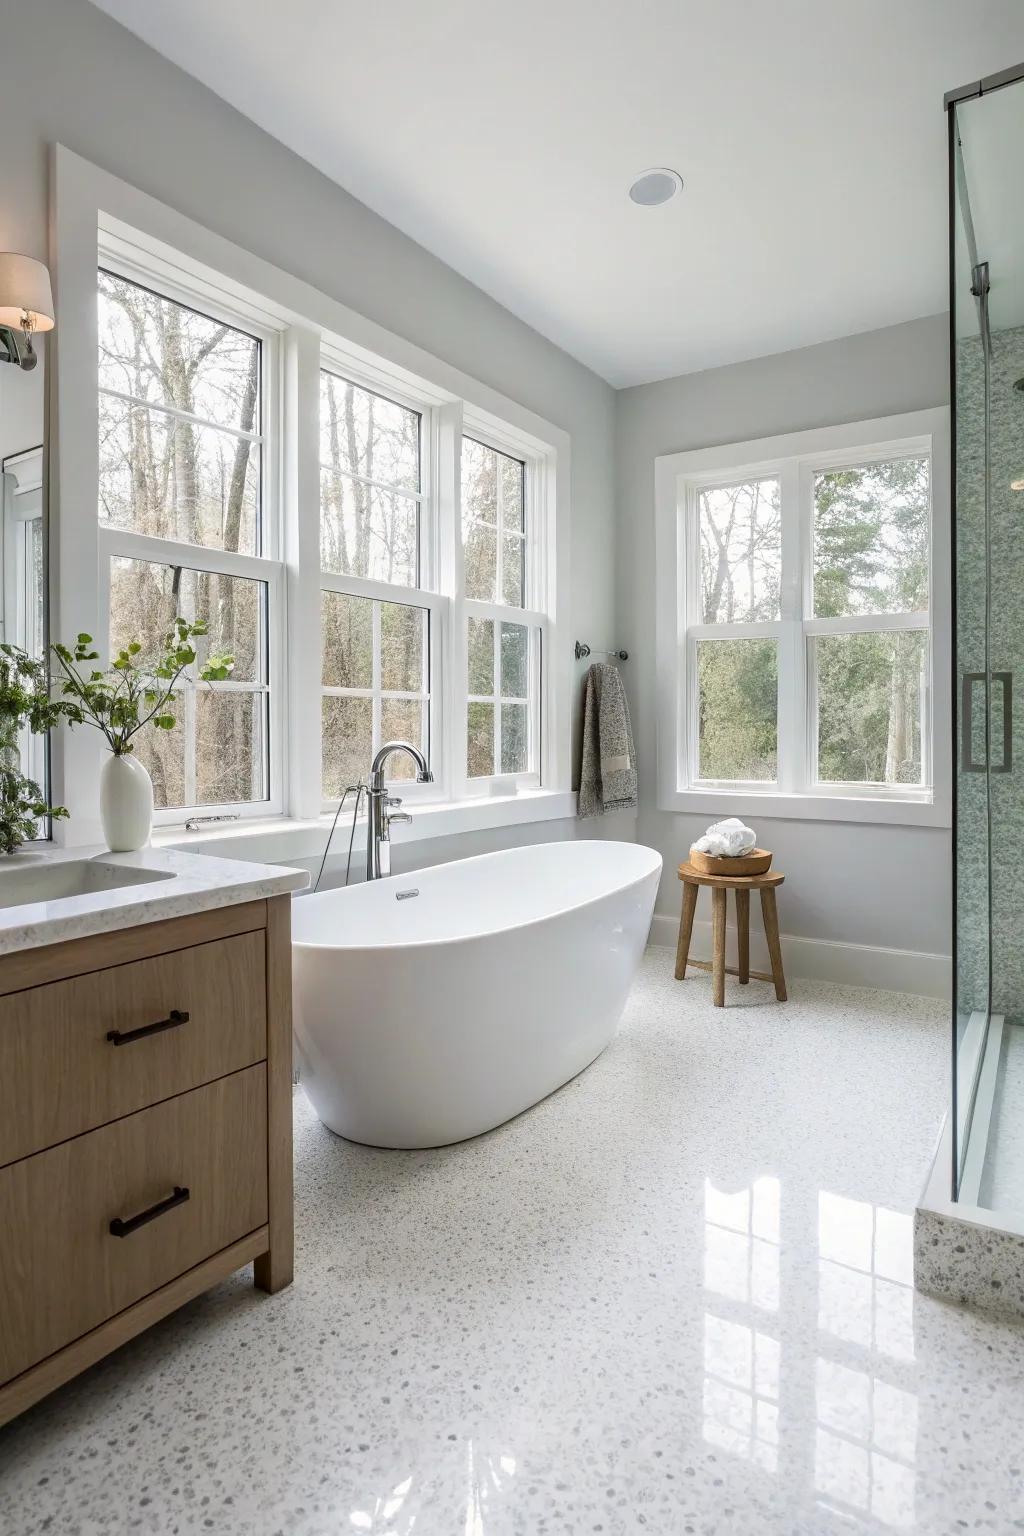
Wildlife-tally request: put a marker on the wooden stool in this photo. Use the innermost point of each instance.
(743, 885)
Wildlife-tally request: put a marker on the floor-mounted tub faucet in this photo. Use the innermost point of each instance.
(384, 808)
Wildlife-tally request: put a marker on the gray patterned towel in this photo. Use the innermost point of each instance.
(608, 772)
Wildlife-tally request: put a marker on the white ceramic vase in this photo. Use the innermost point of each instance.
(126, 803)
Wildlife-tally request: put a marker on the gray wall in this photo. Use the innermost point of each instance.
(849, 883)
(76, 77)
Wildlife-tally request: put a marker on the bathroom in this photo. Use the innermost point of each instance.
(485, 1195)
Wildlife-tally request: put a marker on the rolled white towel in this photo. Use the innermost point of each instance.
(728, 839)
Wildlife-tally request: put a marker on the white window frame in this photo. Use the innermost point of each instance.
(148, 270)
(794, 459)
(310, 330)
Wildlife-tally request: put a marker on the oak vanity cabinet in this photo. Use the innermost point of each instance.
(145, 1131)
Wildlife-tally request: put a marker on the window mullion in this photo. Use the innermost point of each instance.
(793, 731)
(300, 497)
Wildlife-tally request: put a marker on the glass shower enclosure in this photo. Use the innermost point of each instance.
(986, 154)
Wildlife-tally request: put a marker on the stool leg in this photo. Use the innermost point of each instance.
(769, 912)
(743, 934)
(718, 952)
(685, 929)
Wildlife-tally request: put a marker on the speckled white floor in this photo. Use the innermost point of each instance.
(674, 1298)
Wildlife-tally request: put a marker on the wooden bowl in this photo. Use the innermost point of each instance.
(756, 863)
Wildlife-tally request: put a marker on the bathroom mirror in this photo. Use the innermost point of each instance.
(23, 527)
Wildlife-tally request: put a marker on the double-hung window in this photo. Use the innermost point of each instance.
(795, 614)
(503, 629)
(187, 529)
(378, 618)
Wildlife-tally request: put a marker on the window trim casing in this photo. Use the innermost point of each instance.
(315, 329)
(676, 475)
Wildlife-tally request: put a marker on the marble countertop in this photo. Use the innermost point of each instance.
(184, 883)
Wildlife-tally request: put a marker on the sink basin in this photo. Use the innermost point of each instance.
(54, 880)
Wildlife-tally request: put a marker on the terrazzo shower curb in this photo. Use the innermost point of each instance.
(958, 1258)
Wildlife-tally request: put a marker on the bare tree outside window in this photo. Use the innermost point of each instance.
(369, 484)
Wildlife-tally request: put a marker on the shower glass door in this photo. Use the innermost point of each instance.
(987, 302)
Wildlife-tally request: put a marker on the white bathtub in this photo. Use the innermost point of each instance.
(433, 1006)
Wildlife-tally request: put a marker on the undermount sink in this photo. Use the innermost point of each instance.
(20, 885)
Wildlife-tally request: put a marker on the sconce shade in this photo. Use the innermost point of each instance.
(24, 285)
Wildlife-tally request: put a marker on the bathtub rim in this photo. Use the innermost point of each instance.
(315, 945)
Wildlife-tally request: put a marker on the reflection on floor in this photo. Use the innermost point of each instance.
(1002, 1182)
(674, 1298)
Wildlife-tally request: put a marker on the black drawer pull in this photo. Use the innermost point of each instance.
(121, 1228)
(174, 1018)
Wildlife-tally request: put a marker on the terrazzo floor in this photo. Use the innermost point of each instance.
(673, 1298)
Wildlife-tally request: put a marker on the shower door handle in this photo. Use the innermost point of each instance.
(967, 763)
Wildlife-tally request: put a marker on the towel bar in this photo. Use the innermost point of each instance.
(583, 650)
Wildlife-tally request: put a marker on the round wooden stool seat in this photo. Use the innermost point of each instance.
(692, 880)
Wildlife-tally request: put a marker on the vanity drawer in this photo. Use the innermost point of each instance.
(61, 1073)
(62, 1270)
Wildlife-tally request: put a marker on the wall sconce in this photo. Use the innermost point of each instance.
(26, 305)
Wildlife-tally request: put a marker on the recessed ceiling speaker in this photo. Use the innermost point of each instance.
(655, 186)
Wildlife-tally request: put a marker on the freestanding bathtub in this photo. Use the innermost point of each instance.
(433, 1006)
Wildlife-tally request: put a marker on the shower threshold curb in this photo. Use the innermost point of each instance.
(965, 1253)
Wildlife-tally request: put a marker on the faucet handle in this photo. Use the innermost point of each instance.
(392, 801)
(399, 816)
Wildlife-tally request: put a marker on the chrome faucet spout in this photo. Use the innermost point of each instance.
(384, 808)
(423, 773)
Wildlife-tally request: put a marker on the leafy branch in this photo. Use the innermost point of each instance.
(135, 691)
(24, 701)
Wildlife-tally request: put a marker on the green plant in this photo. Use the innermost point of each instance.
(24, 701)
(137, 689)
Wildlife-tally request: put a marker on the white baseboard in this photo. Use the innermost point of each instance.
(857, 965)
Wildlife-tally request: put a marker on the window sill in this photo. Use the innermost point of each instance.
(281, 839)
(881, 810)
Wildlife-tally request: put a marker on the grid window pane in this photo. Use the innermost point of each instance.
(481, 656)
(347, 726)
(377, 650)
(740, 552)
(493, 524)
(403, 648)
(346, 628)
(870, 689)
(514, 739)
(368, 531)
(481, 559)
(163, 753)
(512, 475)
(402, 720)
(217, 751)
(480, 755)
(367, 435)
(231, 751)
(515, 661)
(513, 551)
(161, 472)
(738, 710)
(871, 538)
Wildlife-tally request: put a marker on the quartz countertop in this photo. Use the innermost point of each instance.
(186, 883)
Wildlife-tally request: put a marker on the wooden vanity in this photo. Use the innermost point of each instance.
(145, 1131)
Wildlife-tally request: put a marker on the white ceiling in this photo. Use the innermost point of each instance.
(504, 136)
